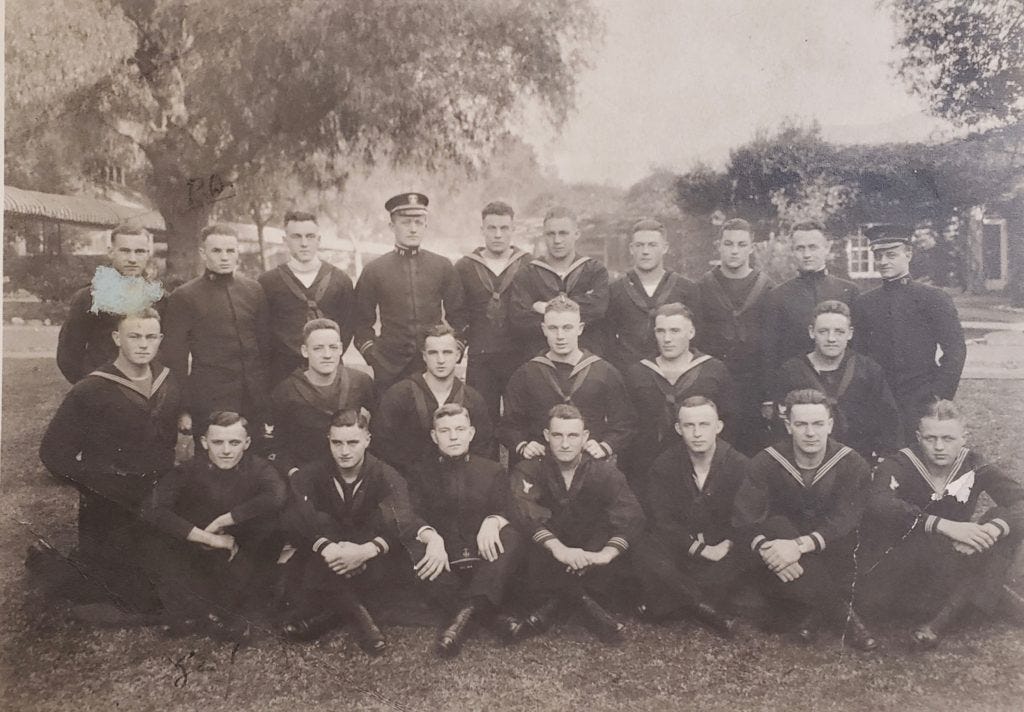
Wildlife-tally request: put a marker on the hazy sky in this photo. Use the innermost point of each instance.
(683, 80)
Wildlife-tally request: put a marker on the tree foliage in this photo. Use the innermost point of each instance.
(213, 91)
(964, 57)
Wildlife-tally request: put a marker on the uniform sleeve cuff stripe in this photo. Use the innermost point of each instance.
(759, 541)
(607, 448)
(819, 541)
(694, 547)
(619, 543)
(542, 535)
(320, 544)
(382, 544)
(930, 522)
(1003, 526)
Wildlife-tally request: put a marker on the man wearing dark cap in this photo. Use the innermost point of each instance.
(560, 271)
(634, 297)
(410, 288)
(789, 306)
(300, 290)
(730, 309)
(84, 341)
(221, 320)
(901, 324)
(487, 273)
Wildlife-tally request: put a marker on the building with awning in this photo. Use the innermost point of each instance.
(79, 210)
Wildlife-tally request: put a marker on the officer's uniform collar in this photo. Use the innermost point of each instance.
(404, 251)
(217, 277)
(448, 460)
(895, 281)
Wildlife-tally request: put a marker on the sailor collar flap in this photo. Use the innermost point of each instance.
(823, 469)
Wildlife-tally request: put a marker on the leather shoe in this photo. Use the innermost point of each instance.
(449, 643)
(510, 628)
(306, 629)
(714, 619)
(858, 635)
(369, 636)
(603, 623)
(542, 618)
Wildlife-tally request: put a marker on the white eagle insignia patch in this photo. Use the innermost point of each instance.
(527, 486)
(960, 488)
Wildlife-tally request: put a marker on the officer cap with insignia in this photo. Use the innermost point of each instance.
(882, 237)
(407, 204)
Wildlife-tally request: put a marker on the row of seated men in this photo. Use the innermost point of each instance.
(231, 340)
(566, 523)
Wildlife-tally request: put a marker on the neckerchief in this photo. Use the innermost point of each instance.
(922, 469)
(576, 377)
(322, 281)
(822, 470)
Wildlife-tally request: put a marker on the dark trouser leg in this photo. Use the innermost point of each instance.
(482, 374)
(488, 579)
(665, 576)
(746, 429)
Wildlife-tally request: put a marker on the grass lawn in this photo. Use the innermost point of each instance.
(49, 663)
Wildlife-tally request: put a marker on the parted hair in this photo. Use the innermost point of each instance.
(319, 324)
(941, 409)
(225, 419)
(560, 211)
(299, 216)
(497, 207)
(808, 396)
(736, 224)
(438, 330)
(217, 229)
(830, 306)
(808, 225)
(647, 225)
(133, 230)
(350, 417)
(674, 309)
(449, 409)
(564, 411)
(561, 303)
(696, 402)
(147, 313)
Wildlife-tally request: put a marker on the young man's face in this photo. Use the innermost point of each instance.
(348, 445)
(453, 434)
(225, 444)
(809, 424)
(560, 235)
(892, 261)
(648, 249)
(408, 229)
(673, 334)
(441, 354)
(303, 240)
(562, 330)
(699, 426)
(138, 339)
(566, 438)
(831, 334)
(810, 248)
(941, 440)
(220, 253)
(497, 232)
(734, 248)
(323, 351)
(130, 254)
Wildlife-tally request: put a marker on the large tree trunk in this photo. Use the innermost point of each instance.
(186, 209)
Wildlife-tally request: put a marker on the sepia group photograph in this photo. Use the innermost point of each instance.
(512, 355)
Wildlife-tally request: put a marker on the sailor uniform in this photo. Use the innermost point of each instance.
(410, 289)
(301, 414)
(193, 580)
(592, 385)
(657, 403)
(222, 321)
(684, 517)
(292, 304)
(401, 427)
(597, 510)
(493, 351)
(730, 316)
(455, 496)
(866, 415)
(909, 563)
(113, 442)
(586, 283)
(630, 317)
(899, 325)
(780, 501)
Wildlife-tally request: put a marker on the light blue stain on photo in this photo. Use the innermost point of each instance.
(114, 293)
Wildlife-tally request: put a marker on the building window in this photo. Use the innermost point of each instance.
(860, 261)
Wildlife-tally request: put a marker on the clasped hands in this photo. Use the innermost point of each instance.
(968, 537)
(782, 557)
(577, 560)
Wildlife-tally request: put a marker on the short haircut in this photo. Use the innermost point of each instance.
(146, 313)
(673, 309)
(940, 409)
(736, 224)
(438, 330)
(808, 396)
(830, 306)
(450, 409)
(559, 212)
(808, 225)
(299, 216)
(696, 402)
(647, 225)
(497, 207)
(225, 419)
(561, 303)
(319, 325)
(564, 411)
(350, 417)
(131, 230)
(217, 229)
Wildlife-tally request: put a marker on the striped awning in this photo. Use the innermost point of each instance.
(78, 210)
